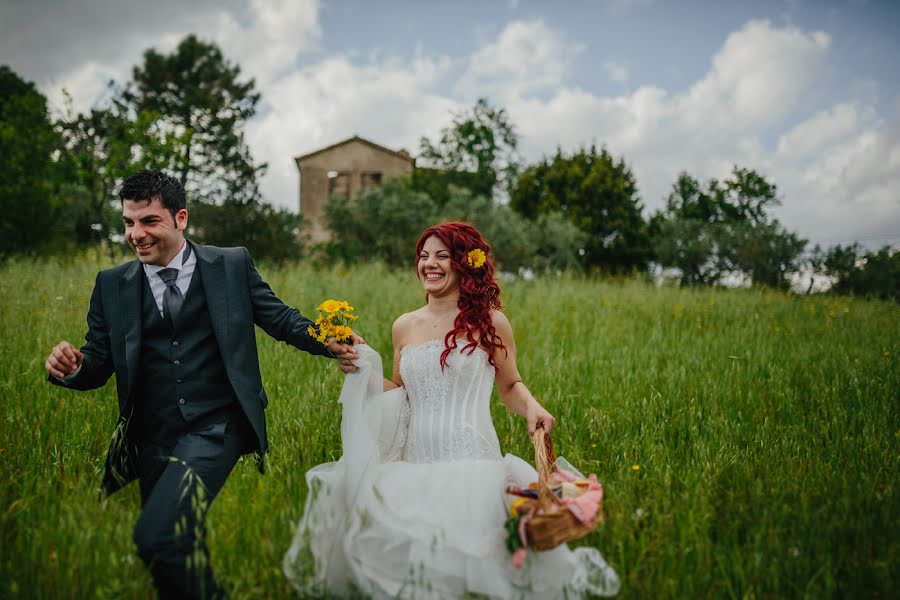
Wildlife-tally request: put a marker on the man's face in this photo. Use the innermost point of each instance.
(151, 231)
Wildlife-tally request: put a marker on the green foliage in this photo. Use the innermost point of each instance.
(97, 150)
(478, 151)
(724, 227)
(27, 207)
(767, 457)
(198, 93)
(873, 274)
(599, 196)
(384, 224)
(380, 223)
(438, 184)
(269, 233)
(692, 246)
(510, 235)
(767, 252)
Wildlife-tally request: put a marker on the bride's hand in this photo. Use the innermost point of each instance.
(538, 415)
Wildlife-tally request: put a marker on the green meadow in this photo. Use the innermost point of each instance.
(748, 441)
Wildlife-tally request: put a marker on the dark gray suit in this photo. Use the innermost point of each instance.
(234, 298)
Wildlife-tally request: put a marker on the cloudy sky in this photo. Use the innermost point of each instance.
(805, 91)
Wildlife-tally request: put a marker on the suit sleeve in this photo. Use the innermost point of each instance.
(97, 366)
(280, 321)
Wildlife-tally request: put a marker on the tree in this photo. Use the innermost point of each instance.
(724, 227)
(380, 223)
(386, 223)
(97, 150)
(691, 245)
(478, 151)
(199, 95)
(873, 274)
(27, 139)
(509, 234)
(598, 195)
(268, 232)
(766, 252)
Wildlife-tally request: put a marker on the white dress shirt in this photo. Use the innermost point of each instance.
(158, 286)
(185, 270)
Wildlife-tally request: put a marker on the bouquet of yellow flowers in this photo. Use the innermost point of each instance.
(333, 321)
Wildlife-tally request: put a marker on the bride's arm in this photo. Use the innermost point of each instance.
(513, 393)
(398, 332)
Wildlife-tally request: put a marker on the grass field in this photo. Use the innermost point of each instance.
(764, 429)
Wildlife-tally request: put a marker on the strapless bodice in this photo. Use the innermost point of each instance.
(450, 417)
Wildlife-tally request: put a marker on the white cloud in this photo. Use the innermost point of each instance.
(837, 170)
(527, 57)
(758, 77)
(761, 104)
(391, 101)
(81, 88)
(833, 169)
(265, 39)
(278, 31)
(824, 127)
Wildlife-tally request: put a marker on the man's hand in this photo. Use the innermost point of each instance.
(64, 360)
(345, 354)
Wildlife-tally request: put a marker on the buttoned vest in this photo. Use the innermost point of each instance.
(181, 382)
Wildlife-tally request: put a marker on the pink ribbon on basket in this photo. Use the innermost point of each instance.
(563, 475)
(586, 506)
(518, 556)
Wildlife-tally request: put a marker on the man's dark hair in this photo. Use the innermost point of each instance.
(145, 186)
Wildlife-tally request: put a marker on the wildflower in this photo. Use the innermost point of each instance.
(476, 258)
(333, 321)
(635, 467)
(331, 306)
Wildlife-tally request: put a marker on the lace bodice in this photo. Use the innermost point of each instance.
(450, 417)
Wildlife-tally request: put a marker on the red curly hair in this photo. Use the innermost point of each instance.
(478, 291)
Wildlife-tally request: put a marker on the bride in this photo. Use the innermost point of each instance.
(415, 507)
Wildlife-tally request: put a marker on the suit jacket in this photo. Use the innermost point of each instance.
(237, 299)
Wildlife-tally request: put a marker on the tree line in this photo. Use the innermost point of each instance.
(185, 112)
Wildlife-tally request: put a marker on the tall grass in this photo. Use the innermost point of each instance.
(748, 441)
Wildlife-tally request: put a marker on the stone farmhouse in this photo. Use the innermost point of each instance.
(344, 169)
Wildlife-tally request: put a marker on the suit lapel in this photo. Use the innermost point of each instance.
(129, 300)
(212, 272)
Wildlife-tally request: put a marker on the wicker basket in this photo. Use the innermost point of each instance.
(552, 524)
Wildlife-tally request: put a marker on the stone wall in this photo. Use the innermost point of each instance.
(344, 169)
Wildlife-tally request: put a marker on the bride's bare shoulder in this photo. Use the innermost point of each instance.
(501, 324)
(404, 323)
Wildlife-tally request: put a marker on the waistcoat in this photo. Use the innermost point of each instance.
(181, 382)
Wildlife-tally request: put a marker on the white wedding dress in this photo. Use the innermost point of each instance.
(415, 507)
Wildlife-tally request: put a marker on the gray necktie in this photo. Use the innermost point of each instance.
(172, 298)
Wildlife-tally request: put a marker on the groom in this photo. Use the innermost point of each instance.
(176, 328)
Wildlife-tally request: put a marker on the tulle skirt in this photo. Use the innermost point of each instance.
(428, 530)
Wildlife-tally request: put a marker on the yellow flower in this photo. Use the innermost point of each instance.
(635, 467)
(331, 306)
(344, 305)
(476, 258)
(514, 507)
(311, 331)
(350, 316)
(341, 332)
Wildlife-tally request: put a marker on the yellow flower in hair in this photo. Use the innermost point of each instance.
(476, 258)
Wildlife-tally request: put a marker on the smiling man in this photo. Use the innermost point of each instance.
(176, 327)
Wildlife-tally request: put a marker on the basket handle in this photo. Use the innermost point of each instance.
(545, 464)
